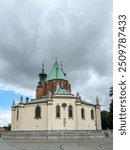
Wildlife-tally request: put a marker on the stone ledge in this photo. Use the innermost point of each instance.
(55, 135)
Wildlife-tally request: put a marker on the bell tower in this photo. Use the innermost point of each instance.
(41, 82)
(48, 83)
(42, 76)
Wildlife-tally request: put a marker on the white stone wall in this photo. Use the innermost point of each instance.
(64, 122)
(48, 120)
(27, 120)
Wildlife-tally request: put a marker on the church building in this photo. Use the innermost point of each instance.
(55, 107)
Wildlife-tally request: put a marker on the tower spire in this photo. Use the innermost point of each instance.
(42, 75)
(56, 59)
(42, 66)
(61, 66)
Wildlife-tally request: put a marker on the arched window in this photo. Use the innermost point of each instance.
(38, 112)
(92, 114)
(57, 111)
(70, 109)
(82, 113)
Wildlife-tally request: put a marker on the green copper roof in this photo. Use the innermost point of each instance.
(56, 73)
(62, 91)
(38, 100)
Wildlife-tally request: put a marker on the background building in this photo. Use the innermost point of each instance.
(2, 130)
(55, 107)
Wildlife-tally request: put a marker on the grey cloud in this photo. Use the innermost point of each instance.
(78, 32)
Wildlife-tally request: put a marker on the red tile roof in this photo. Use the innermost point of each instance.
(2, 129)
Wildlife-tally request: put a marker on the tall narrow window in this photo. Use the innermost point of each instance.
(70, 109)
(38, 112)
(17, 114)
(82, 113)
(51, 88)
(92, 114)
(57, 111)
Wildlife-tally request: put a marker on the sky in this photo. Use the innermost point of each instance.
(77, 32)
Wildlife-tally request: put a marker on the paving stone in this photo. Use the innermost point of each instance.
(104, 143)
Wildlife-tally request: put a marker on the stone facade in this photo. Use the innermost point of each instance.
(55, 107)
(23, 115)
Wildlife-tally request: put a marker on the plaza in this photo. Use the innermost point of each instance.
(102, 143)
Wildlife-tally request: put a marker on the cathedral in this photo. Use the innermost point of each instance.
(55, 107)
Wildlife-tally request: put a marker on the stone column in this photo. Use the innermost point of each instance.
(98, 115)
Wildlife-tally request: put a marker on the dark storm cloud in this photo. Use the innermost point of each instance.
(78, 32)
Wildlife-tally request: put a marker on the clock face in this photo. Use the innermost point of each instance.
(64, 105)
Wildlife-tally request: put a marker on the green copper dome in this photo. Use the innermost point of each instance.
(56, 73)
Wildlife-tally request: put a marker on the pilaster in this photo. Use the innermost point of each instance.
(78, 106)
(49, 112)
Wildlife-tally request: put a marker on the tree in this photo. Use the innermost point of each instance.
(111, 95)
(104, 119)
(110, 115)
(7, 128)
(107, 116)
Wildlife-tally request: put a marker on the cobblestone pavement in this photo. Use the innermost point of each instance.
(87, 144)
